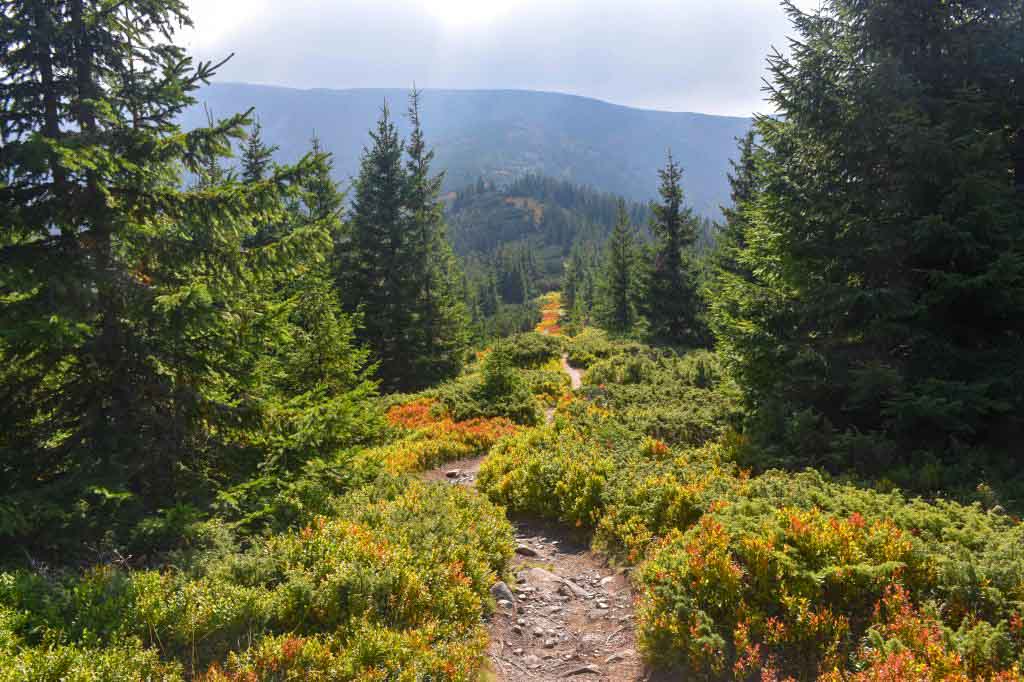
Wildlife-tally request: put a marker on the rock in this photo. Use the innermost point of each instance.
(540, 578)
(531, 661)
(570, 588)
(619, 656)
(602, 605)
(607, 580)
(523, 550)
(505, 604)
(518, 629)
(520, 621)
(537, 632)
(500, 591)
(583, 670)
(549, 644)
(454, 473)
(517, 652)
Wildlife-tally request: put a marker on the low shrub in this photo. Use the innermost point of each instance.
(530, 350)
(393, 583)
(498, 391)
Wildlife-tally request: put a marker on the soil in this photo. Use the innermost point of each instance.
(565, 613)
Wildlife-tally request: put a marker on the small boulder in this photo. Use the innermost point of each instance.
(500, 591)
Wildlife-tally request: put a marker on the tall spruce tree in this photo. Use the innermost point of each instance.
(440, 334)
(620, 284)
(128, 334)
(883, 322)
(672, 304)
(743, 190)
(375, 271)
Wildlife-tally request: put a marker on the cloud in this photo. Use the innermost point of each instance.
(681, 55)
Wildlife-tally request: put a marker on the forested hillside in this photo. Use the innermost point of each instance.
(500, 135)
(253, 428)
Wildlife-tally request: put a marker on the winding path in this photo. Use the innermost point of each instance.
(566, 614)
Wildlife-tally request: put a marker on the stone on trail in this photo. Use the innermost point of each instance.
(619, 656)
(584, 670)
(454, 473)
(524, 550)
(500, 592)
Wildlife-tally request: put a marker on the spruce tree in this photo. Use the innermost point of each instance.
(130, 333)
(672, 305)
(257, 155)
(743, 185)
(882, 325)
(375, 274)
(619, 293)
(440, 332)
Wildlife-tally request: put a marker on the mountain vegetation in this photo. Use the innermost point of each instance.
(231, 394)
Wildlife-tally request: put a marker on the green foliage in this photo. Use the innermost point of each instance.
(499, 390)
(887, 330)
(619, 293)
(397, 562)
(529, 350)
(672, 305)
(787, 573)
(157, 341)
(395, 265)
(681, 400)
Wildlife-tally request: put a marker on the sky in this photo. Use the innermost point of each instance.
(705, 56)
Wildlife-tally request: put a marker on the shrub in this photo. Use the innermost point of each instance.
(530, 350)
(395, 582)
(499, 391)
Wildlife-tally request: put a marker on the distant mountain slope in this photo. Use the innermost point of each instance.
(502, 134)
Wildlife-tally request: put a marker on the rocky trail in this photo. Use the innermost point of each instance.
(565, 613)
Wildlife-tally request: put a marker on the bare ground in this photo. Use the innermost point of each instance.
(565, 614)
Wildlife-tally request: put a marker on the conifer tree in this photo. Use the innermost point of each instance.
(257, 155)
(129, 332)
(743, 190)
(375, 271)
(619, 293)
(883, 317)
(672, 305)
(441, 319)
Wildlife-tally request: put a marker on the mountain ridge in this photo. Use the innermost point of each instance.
(500, 134)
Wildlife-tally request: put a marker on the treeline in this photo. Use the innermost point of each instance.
(168, 348)
(867, 289)
(647, 287)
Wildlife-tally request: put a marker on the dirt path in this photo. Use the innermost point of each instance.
(565, 613)
(575, 374)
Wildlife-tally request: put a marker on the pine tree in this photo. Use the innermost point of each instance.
(619, 294)
(672, 305)
(884, 316)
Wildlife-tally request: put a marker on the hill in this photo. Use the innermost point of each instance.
(501, 135)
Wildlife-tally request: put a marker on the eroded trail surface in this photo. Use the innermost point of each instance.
(565, 614)
(575, 374)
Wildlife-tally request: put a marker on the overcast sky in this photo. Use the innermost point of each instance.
(680, 55)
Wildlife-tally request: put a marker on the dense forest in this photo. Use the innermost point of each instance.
(255, 427)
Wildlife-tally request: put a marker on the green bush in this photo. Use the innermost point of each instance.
(530, 350)
(398, 562)
(498, 391)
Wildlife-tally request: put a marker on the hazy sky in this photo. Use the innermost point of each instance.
(681, 55)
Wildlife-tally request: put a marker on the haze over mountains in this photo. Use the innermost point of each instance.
(501, 135)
